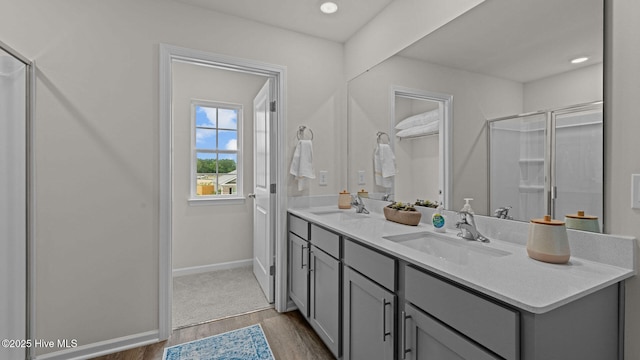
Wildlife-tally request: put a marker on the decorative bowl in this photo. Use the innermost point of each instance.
(402, 216)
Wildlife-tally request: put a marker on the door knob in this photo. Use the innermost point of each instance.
(252, 195)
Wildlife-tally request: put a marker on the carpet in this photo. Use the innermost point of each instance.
(248, 343)
(214, 295)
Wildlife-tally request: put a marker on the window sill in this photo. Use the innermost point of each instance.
(230, 200)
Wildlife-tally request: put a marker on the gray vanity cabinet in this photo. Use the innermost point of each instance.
(299, 272)
(299, 263)
(324, 298)
(369, 303)
(369, 310)
(366, 304)
(467, 316)
(315, 279)
(425, 338)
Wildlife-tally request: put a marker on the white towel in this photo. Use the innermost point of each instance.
(384, 164)
(420, 130)
(420, 119)
(302, 163)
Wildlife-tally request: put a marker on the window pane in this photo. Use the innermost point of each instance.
(206, 139)
(228, 140)
(228, 118)
(205, 116)
(227, 163)
(206, 163)
(206, 184)
(227, 184)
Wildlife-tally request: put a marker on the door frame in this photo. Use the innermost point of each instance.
(169, 53)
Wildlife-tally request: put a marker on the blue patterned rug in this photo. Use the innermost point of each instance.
(243, 344)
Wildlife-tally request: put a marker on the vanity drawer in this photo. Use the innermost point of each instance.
(326, 240)
(491, 325)
(374, 265)
(299, 227)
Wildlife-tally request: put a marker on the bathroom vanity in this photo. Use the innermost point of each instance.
(373, 289)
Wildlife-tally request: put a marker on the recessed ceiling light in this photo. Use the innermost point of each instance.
(579, 60)
(329, 7)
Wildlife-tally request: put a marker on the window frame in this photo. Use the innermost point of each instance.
(238, 197)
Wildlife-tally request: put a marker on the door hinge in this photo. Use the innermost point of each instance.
(272, 270)
(273, 189)
(272, 106)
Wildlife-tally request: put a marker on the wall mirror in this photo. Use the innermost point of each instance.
(501, 58)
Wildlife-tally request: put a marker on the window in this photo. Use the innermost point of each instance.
(216, 151)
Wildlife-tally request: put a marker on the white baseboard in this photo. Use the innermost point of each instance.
(212, 267)
(103, 348)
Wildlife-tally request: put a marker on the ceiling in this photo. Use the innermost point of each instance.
(521, 40)
(302, 16)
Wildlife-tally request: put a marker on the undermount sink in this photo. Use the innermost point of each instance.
(341, 214)
(448, 247)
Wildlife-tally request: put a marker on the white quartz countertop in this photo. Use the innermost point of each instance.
(511, 276)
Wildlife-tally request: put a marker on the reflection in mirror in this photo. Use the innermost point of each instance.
(548, 162)
(420, 122)
(500, 58)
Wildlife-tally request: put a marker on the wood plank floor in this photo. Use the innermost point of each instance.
(289, 335)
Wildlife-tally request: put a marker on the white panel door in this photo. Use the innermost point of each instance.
(263, 233)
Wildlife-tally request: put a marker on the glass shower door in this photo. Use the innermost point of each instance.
(517, 169)
(577, 175)
(13, 202)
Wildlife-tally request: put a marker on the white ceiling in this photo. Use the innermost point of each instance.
(521, 40)
(303, 16)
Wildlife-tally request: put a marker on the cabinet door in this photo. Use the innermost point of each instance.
(369, 311)
(424, 338)
(324, 304)
(299, 273)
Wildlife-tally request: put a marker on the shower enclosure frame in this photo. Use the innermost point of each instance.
(550, 160)
(29, 192)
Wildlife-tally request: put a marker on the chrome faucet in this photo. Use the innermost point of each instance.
(387, 197)
(503, 213)
(467, 226)
(356, 201)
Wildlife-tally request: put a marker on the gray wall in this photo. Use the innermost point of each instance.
(570, 88)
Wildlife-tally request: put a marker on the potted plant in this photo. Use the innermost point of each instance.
(403, 213)
(427, 203)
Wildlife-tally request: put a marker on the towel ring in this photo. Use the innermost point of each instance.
(301, 130)
(380, 134)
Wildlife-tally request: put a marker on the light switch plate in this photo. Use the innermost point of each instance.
(361, 177)
(323, 178)
(635, 191)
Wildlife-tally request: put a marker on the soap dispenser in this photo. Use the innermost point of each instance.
(467, 207)
(439, 220)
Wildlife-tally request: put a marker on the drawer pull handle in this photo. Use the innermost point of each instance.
(385, 333)
(404, 335)
(302, 257)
